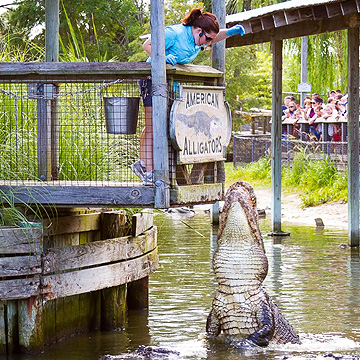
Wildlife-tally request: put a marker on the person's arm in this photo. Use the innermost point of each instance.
(147, 46)
(225, 33)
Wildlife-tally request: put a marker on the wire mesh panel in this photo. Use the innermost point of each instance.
(57, 132)
(250, 148)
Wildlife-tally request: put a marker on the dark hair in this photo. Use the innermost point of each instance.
(204, 20)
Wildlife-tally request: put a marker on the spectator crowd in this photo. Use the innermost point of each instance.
(309, 120)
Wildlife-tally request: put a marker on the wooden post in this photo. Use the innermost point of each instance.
(3, 340)
(138, 294)
(160, 105)
(52, 55)
(11, 325)
(353, 136)
(276, 47)
(51, 30)
(31, 335)
(113, 300)
(44, 134)
(218, 62)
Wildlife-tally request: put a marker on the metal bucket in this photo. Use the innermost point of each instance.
(121, 114)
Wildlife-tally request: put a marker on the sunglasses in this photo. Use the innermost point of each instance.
(292, 106)
(313, 102)
(208, 38)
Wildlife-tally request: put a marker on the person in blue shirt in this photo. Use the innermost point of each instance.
(183, 42)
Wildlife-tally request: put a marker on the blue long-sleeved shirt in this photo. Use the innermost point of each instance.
(179, 41)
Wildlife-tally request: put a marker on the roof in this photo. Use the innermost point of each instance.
(293, 19)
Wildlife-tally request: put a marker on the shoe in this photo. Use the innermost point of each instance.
(148, 178)
(139, 169)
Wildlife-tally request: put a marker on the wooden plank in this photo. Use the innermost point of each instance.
(256, 25)
(292, 16)
(96, 71)
(98, 252)
(101, 277)
(348, 7)
(197, 194)
(19, 288)
(20, 240)
(71, 224)
(83, 195)
(267, 22)
(142, 222)
(279, 19)
(306, 13)
(20, 265)
(333, 10)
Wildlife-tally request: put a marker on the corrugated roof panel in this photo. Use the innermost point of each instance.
(268, 10)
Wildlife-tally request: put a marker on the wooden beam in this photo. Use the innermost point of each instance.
(276, 47)
(83, 195)
(96, 71)
(353, 136)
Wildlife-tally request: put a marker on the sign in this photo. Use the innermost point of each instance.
(304, 87)
(200, 124)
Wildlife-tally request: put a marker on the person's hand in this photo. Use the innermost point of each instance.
(171, 59)
(236, 30)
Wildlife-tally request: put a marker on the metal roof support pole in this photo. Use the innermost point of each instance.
(353, 136)
(276, 48)
(160, 105)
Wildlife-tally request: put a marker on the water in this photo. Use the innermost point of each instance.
(313, 278)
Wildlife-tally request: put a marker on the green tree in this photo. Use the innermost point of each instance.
(104, 25)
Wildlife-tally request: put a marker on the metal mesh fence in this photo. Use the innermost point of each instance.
(58, 132)
(250, 148)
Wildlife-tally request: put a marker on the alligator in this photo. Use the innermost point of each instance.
(242, 310)
(145, 352)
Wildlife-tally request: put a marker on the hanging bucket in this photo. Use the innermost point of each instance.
(121, 114)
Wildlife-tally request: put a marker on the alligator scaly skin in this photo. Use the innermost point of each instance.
(241, 307)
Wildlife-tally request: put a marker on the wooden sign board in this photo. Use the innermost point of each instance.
(200, 124)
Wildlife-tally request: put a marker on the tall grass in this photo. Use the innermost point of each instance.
(317, 181)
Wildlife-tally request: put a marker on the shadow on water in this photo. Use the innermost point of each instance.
(313, 277)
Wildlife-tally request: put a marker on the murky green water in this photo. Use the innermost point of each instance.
(314, 280)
